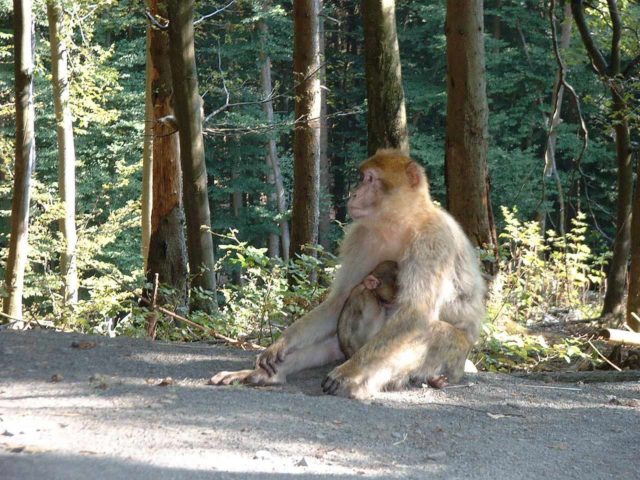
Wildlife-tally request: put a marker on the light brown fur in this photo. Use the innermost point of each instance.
(440, 300)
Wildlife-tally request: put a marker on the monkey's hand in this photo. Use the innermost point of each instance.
(342, 383)
(272, 356)
(249, 377)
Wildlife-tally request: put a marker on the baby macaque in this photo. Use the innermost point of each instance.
(368, 307)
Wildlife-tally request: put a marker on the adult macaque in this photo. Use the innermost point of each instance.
(368, 307)
(439, 305)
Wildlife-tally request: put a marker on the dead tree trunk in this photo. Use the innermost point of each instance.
(167, 248)
(147, 156)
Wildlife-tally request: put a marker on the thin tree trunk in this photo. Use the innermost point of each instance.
(167, 247)
(306, 148)
(387, 118)
(25, 157)
(187, 105)
(147, 157)
(66, 151)
(272, 154)
(324, 225)
(466, 174)
(610, 75)
(550, 165)
(633, 299)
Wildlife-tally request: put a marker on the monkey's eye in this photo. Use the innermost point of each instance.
(368, 177)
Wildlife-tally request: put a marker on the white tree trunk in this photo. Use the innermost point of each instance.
(272, 154)
(147, 159)
(66, 150)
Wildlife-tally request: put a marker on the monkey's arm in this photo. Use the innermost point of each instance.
(360, 254)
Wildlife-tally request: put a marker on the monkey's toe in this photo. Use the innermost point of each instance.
(438, 382)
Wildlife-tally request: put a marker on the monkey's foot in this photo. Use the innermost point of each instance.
(339, 383)
(247, 377)
(270, 359)
(439, 381)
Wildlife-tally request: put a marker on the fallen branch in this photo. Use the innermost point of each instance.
(210, 331)
(620, 337)
(596, 376)
(593, 347)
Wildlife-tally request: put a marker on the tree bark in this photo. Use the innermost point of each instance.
(66, 151)
(147, 156)
(386, 117)
(306, 143)
(633, 299)
(610, 73)
(466, 174)
(167, 248)
(188, 110)
(272, 153)
(326, 202)
(25, 157)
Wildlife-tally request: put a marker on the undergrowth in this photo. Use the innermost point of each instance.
(542, 280)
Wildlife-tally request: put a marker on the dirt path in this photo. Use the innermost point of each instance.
(106, 418)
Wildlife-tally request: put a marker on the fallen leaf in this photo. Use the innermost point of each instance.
(83, 345)
(165, 382)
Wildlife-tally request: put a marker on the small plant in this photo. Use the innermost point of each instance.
(541, 280)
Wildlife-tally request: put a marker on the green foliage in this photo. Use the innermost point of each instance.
(263, 303)
(502, 351)
(542, 274)
(540, 279)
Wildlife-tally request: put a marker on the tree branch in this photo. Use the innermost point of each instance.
(597, 60)
(209, 15)
(614, 68)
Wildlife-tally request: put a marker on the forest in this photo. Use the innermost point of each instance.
(180, 170)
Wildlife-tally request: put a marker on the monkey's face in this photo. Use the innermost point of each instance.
(366, 198)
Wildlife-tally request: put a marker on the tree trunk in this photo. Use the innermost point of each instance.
(326, 202)
(272, 154)
(387, 119)
(633, 300)
(187, 105)
(66, 151)
(610, 74)
(25, 157)
(147, 157)
(466, 174)
(550, 166)
(167, 248)
(306, 143)
(617, 274)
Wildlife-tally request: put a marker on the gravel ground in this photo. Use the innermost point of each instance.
(100, 413)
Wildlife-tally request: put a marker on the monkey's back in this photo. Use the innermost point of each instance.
(361, 318)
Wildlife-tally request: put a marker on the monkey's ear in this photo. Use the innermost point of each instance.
(414, 174)
(371, 282)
